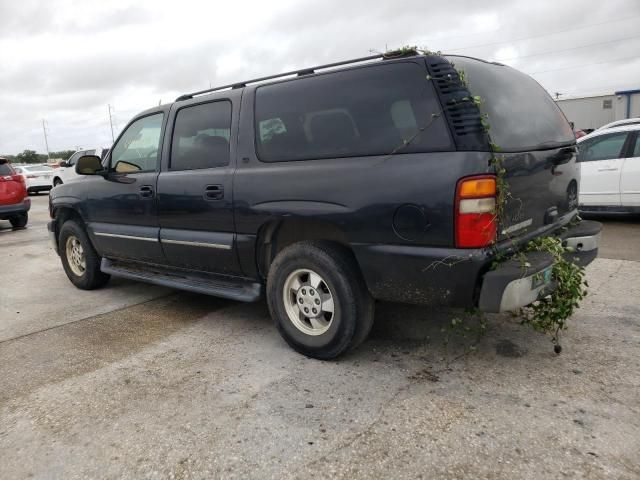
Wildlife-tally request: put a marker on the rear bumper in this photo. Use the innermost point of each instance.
(517, 283)
(463, 278)
(7, 211)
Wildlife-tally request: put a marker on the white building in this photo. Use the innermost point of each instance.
(595, 111)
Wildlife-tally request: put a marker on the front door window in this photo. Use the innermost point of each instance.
(138, 148)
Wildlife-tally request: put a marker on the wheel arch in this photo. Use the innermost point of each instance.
(277, 234)
(62, 214)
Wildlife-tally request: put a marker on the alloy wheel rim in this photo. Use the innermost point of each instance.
(75, 256)
(308, 302)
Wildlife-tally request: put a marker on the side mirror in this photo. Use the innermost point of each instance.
(89, 165)
(63, 163)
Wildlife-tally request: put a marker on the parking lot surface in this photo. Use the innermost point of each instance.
(136, 381)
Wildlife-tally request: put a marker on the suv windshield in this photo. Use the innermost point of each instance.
(522, 115)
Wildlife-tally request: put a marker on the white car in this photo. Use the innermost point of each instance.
(610, 170)
(38, 178)
(620, 123)
(67, 170)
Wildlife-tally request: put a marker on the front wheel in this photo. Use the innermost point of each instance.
(318, 299)
(80, 261)
(19, 221)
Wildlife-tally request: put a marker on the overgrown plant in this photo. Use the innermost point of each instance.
(550, 314)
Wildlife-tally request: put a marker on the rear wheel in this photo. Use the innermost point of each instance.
(56, 182)
(19, 221)
(318, 299)
(80, 261)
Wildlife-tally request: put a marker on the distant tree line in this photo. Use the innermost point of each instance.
(31, 156)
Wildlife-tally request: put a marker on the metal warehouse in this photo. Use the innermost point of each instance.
(595, 111)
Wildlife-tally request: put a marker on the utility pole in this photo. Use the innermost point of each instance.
(46, 142)
(111, 123)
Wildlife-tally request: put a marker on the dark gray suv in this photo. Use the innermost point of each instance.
(330, 187)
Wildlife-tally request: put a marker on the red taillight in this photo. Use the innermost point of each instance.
(18, 178)
(476, 223)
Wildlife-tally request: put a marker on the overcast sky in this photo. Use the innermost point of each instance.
(66, 60)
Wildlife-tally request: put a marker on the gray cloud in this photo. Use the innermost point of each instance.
(65, 60)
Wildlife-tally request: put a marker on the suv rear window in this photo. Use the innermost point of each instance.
(521, 114)
(5, 169)
(373, 110)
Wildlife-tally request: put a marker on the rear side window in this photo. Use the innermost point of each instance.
(374, 110)
(604, 147)
(521, 114)
(201, 136)
(5, 169)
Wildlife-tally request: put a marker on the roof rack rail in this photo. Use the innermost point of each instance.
(299, 73)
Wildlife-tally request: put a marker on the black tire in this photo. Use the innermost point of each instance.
(92, 277)
(56, 182)
(20, 220)
(353, 313)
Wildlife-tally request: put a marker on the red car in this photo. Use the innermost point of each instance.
(14, 201)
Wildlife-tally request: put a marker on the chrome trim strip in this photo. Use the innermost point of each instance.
(197, 244)
(127, 237)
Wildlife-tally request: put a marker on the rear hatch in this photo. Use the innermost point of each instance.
(535, 144)
(12, 187)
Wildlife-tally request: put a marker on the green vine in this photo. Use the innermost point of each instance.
(550, 314)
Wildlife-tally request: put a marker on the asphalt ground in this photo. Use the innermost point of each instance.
(137, 381)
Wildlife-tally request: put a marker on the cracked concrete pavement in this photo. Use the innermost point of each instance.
(134, 381)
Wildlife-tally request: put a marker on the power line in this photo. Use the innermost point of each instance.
(569, 49)
(635, 57)
(541, 34)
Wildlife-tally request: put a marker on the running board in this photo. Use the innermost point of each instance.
(233, 288)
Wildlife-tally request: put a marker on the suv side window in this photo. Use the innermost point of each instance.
(138, 147)
(72, 160)
(605, 147)
(373, 110)
(201, 136)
